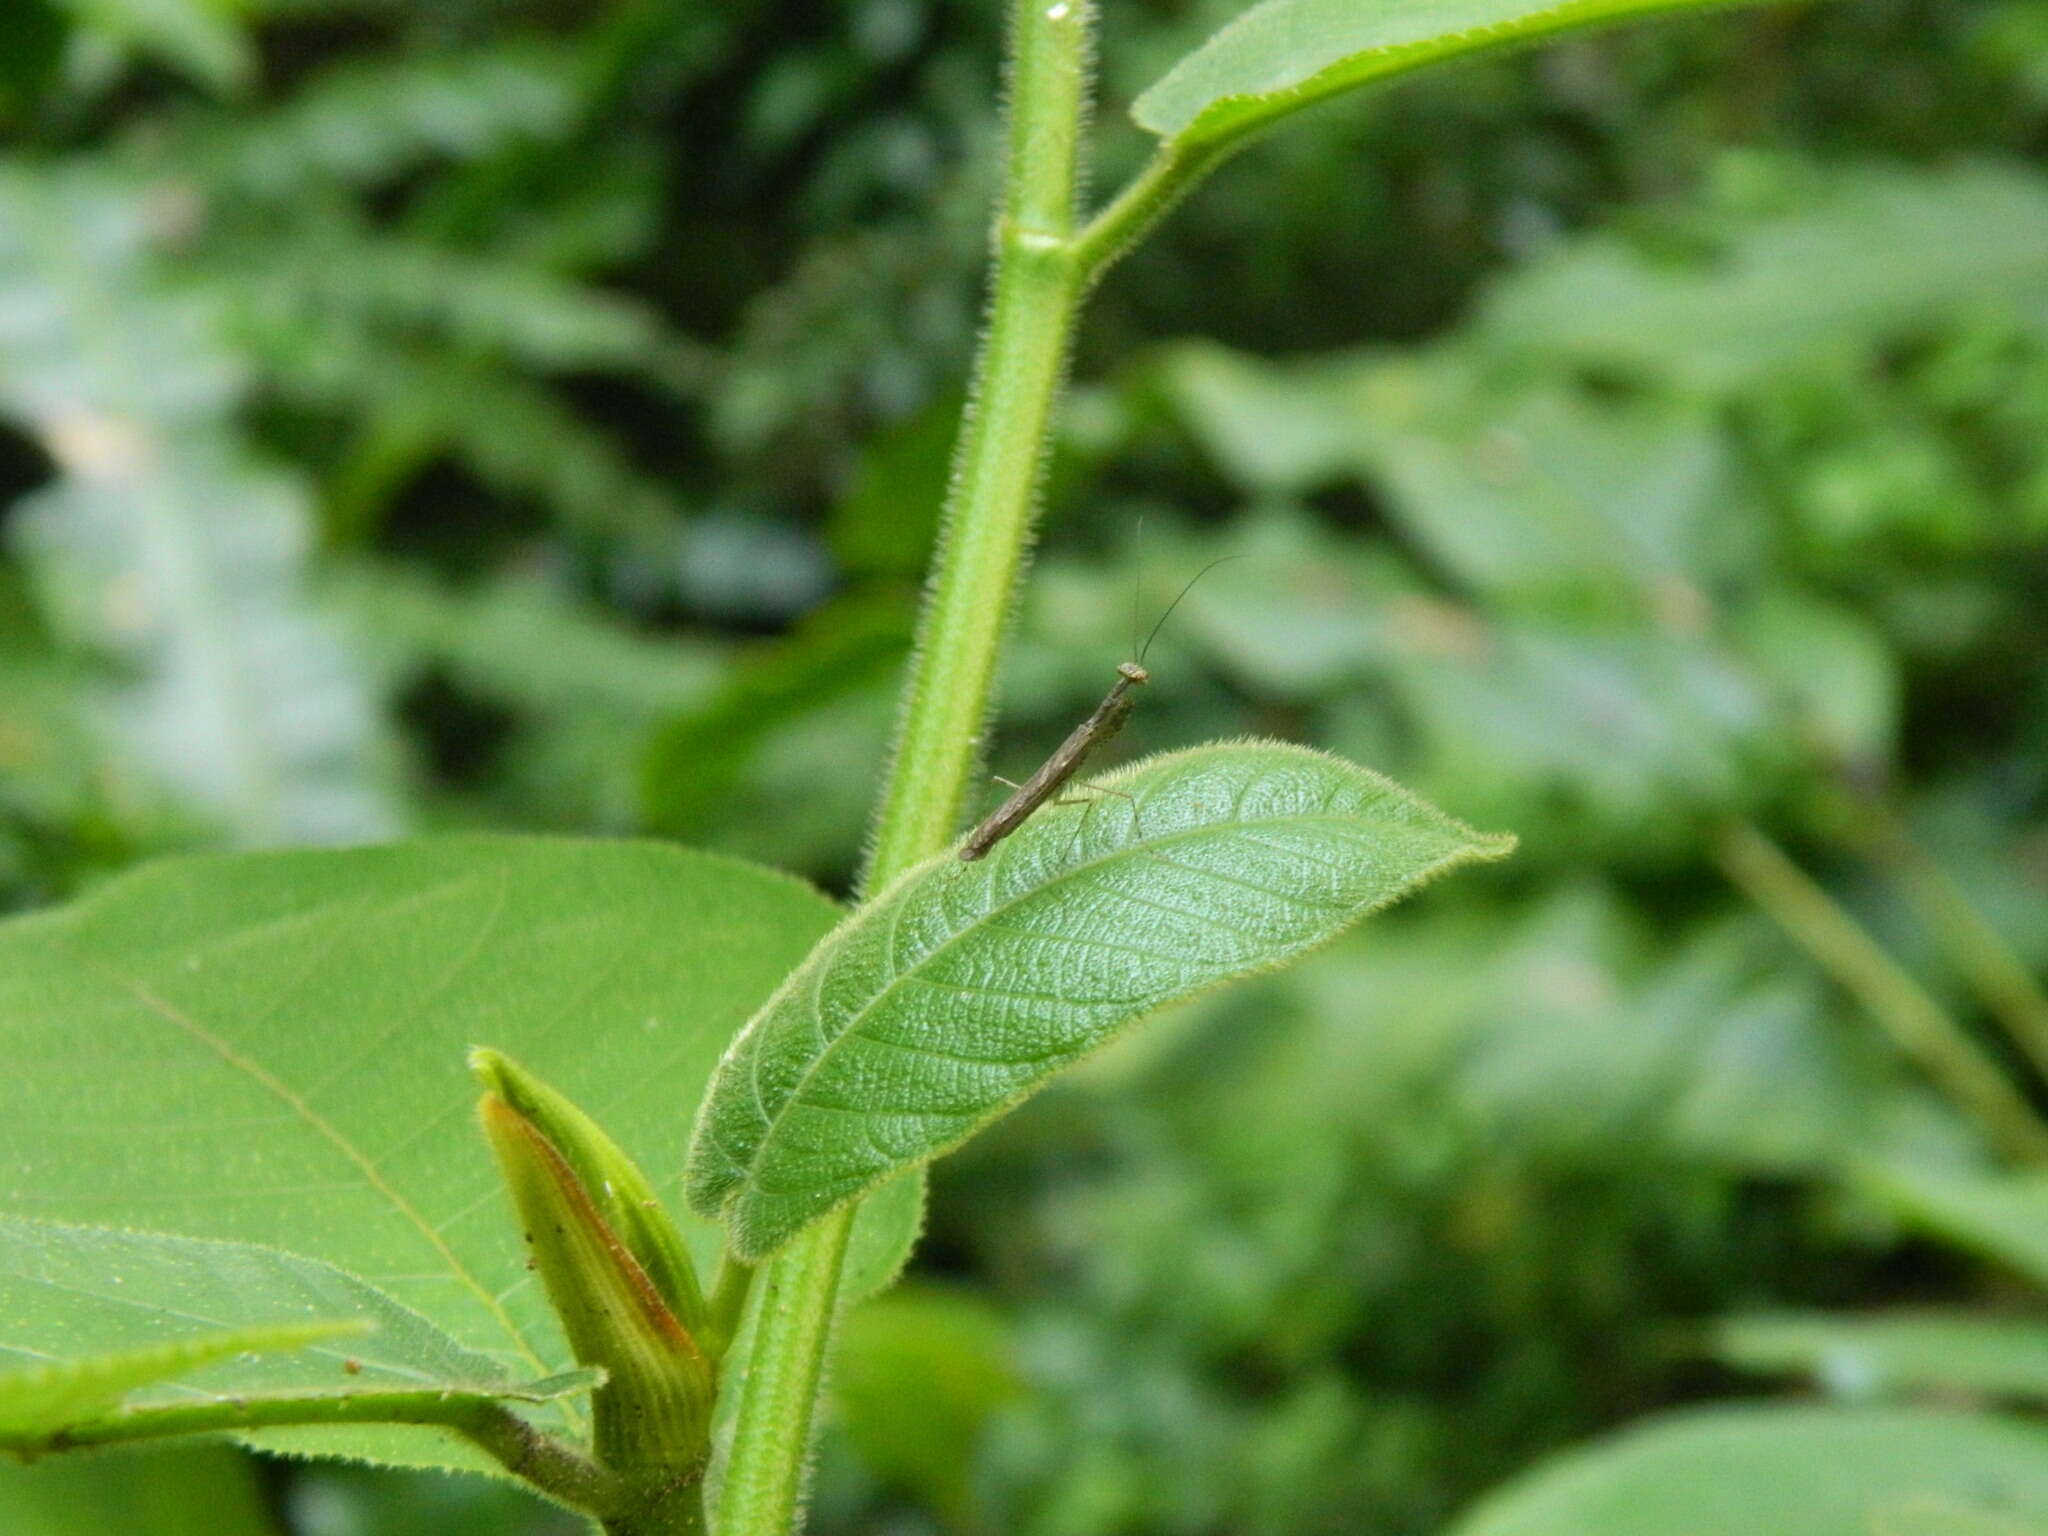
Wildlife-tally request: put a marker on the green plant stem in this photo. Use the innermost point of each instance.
(541, 1459)
(1916, 1023)
(778, 1394)
(998, 465)
(984, 535)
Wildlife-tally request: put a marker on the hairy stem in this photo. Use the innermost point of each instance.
(998, 463)
(1916, 1023)
(984, 535)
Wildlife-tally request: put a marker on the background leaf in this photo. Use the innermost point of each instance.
(2001, 1217)
(166, 546)
(1770, 1472)
(272, 1047)
(1741, 301)
(183, 1490)
(962, 1358)
(335, 1499)
(200, 37)
(961, 988)
(1894, 1355)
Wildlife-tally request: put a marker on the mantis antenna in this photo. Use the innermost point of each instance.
(1104, 722)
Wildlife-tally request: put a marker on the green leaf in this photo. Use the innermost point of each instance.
(1891, 1355)
(695, 763)
(196, 36)
(1864, 256)
(328, 275)
(271, 1048)
(226, 1320)
(1953, 1517)
(165, 544)
(2002, 1217)
(1283, 55)
(1624, 732)
(1537, 493)
(40, 1401)
(964, 986)
(1769, 1472)
(1832, 669)
(184, 1490)
(1275, 427)
(958, 1351)
(369, 120)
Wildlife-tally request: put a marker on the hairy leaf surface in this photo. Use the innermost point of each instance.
(963, 986)
(1283, 55)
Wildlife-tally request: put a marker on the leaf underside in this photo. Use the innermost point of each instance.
(44, 1399)
(1283, 55)
(91, 1318)
(962, 987)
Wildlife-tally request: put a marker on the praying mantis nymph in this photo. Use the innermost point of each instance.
(1065, 762)
(1106, 720)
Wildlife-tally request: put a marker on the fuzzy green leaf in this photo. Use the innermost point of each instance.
(964, 986)
(1283, 55)
(272, 1048)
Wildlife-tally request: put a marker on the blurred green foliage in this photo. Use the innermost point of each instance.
(533, 414)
